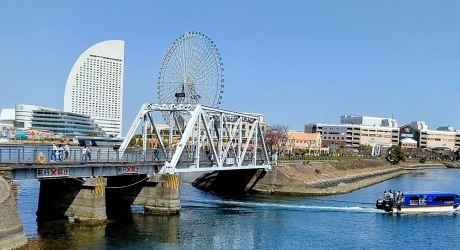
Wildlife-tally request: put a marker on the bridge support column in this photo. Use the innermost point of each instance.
(84, 201)
(11, 229)
(160, 194)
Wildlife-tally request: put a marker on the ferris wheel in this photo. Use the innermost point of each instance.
(191, 72)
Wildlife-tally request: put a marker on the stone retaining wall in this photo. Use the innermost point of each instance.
(353, 178)
(326, 177)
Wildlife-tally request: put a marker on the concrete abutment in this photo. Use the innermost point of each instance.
(11, 229)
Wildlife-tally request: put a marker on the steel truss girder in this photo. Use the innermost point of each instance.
(222, 132)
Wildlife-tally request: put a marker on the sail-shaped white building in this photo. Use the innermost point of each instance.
(95, 86)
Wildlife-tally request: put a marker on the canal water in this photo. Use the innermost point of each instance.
(209, 221)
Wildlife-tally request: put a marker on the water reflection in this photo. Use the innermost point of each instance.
(418, 174)
(61, 234)
(208, 221)
(119, 233)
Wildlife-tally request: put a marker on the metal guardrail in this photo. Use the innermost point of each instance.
(24, 155)
(347, 157)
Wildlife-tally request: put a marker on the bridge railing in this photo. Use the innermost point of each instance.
(24, 155)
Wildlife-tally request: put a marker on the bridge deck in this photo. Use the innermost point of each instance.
(104, 162)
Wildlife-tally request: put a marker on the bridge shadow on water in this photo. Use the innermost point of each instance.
(235, 182)
(122, 191)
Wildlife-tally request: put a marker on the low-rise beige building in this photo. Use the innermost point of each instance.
(384, 136)
(309, 141)
(436, 138)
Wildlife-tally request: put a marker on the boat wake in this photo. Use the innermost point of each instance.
(245, 204)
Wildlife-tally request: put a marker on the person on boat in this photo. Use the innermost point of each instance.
(391, 196)
(386, 195)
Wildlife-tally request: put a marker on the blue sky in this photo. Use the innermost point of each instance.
(296, 62)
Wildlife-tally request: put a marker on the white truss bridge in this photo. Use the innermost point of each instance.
(199, 130)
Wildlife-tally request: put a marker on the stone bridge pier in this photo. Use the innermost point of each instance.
(87, 201)
(11, 229)
(82, 200)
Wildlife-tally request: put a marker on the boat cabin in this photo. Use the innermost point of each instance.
(429, 199)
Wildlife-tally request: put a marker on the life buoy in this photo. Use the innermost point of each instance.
(41, 158)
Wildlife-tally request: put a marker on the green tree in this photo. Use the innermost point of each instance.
(132, 142)
(135, 141)
(396, 155)
(92, 134)
(365, 149)
(139, 142)
(166, 141)
(15, 124)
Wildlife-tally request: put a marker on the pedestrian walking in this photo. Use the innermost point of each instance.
(83, 153)
(60, 152)
(275, 157)
(66, 151)
(88, 154)
(53, 153)
(155, 154)
(209, 156)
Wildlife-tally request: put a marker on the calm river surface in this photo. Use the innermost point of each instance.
(208, 221)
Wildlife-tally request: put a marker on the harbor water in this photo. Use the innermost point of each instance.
(209, 221)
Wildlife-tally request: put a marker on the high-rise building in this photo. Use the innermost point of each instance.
(95, 85)
(420, 125)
